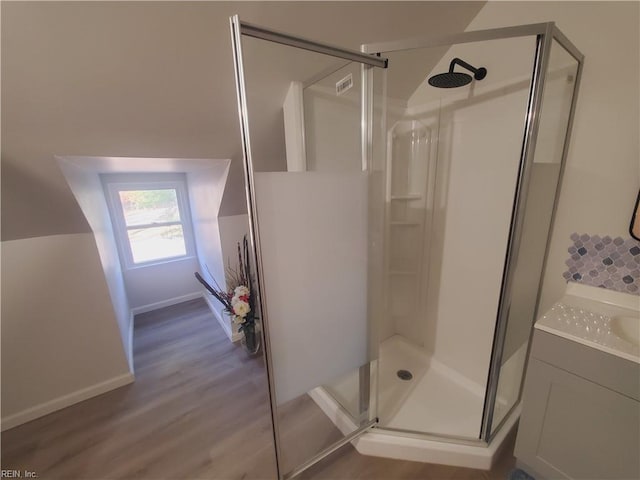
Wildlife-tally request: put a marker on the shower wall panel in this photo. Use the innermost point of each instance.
(332, 122)
(480, 159)
(479, 145)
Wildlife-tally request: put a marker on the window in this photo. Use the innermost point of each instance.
(151, 218)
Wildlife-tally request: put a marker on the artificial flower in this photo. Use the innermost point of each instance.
(241, 291)
(241, 308)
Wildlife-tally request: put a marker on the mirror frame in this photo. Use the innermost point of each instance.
(634, 226)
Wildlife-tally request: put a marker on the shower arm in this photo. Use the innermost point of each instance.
(463, 64)
(479, 73)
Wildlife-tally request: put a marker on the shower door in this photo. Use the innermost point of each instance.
(314, 184)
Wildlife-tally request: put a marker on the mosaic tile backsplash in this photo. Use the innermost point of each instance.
(606, 262)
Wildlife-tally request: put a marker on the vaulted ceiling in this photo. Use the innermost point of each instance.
(152, 79)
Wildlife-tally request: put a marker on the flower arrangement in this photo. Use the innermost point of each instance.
(238, 301)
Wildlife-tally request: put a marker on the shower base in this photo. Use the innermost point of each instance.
(437, 400)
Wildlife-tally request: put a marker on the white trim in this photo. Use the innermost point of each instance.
(226, 326)
(165, 303)
(293, 110)
(129, 351)
(65, 401)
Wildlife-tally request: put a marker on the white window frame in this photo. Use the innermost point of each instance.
(113, 184)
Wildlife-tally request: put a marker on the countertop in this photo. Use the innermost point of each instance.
(584, 315)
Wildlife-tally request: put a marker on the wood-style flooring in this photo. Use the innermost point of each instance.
(197, 410)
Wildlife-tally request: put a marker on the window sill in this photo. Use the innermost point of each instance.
(156, 263)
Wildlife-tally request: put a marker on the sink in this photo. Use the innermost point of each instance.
(627, 328)
(598, 318)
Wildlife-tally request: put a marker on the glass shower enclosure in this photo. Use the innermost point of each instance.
(399, 230)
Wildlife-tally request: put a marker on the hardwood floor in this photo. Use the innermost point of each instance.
(197, 410)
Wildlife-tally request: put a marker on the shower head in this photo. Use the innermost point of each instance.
(453, 79)
(450, 80)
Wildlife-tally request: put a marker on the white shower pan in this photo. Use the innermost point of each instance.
(437, 400)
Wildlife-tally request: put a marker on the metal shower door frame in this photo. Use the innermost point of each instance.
(544, 34)
(238, 29)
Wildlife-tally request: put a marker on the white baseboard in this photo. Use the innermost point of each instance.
(226, 326)
(166, 303)
(64, 401)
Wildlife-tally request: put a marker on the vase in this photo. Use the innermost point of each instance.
(251, 339)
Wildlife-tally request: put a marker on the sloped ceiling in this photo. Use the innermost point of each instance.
(151, 79)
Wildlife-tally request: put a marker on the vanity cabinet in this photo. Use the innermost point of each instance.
(581, 413)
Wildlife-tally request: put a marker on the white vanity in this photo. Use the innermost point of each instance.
(581, 398)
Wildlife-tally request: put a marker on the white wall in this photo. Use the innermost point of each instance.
(60, 340)
(602, 171)
(216, 238)
(87, 188)
(204, 196)
(232, 230)
(163, 284)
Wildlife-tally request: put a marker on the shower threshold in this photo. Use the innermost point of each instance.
(380, 442)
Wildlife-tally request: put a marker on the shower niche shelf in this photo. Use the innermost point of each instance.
(407, 197)
(410, 166)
